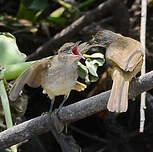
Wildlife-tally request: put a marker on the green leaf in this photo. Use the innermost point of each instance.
(94, 55)
(9, 52)
(24, 13)
(14, 70)
(89, 72)
(85, 4)
(7, 150)
(99, 62)
(36, 5)
(93, 78)
(58, 12)
(64, 4)
(97, 55)
(57, 18)
(83, 72)
(91, 67)
(58, 21)
(1, 17)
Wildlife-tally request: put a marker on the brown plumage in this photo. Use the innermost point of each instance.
(125, 57)
(57, 75)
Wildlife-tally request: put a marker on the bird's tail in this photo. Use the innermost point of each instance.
(118, 100)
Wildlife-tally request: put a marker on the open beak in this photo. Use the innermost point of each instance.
(75, 50)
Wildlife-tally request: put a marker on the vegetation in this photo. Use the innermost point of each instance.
(34, 29)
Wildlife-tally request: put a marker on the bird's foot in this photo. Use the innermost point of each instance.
(51, 106)
(58, 125)
(61, 105)
(44, 113)
(67, 143)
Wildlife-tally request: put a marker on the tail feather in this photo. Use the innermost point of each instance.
(124, 99)
(118, 100)
(112, 102)
(18, 85)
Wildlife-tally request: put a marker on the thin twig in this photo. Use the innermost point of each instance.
(6, 105)
(143, 70)
(71, 113)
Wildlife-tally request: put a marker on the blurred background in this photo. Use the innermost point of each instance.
(41, 27)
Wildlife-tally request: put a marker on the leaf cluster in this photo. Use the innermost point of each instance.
(88, 72)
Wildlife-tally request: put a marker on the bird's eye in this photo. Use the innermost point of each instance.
(67, 49)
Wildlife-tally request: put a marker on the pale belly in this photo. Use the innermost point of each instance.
(60, 86)
(60, 83)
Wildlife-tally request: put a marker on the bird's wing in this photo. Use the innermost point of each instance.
(37, 72)
(126, 58)
(133, 60)
(32, 76)
(79, 86)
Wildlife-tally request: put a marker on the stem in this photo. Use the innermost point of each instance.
(5, 103)
(143, 70)
(6, 106)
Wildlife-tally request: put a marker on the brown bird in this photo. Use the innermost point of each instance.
(57, 75)
(125, 57)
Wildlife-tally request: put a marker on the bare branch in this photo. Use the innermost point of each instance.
(143, 70)
(70, 113)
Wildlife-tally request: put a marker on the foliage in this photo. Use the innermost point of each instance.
(89, 72)
(33, 9)
(9, 52)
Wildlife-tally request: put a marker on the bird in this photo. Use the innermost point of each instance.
(57, 74)
(124, 55)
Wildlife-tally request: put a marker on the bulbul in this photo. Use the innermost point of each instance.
(125, 57)
(57, 75)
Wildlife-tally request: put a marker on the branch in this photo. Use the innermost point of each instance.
(70, 113)
(143, 70)
(68, 33)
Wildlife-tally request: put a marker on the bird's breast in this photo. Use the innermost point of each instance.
(59, 81)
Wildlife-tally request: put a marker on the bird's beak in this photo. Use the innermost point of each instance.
(75, 50)
(82, 57)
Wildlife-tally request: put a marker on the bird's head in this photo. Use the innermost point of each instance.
(105, 38)
(70, 52)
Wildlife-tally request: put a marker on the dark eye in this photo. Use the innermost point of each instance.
(69, 48)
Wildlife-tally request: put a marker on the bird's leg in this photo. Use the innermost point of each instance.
(51, 105)
(59, 108)
(61, 105)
